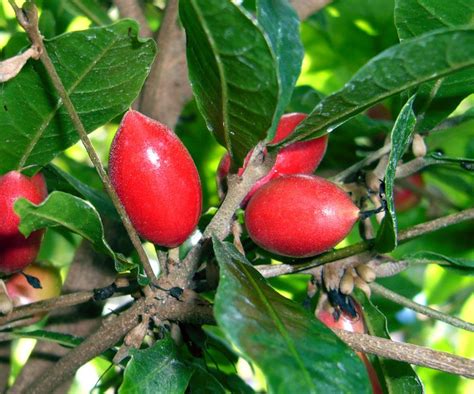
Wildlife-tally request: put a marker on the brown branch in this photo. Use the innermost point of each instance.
(114, 329)
(220, 226)
(28, 19)
(46, 306)
(425, 310)
(132, 9)
(409, 353)
(167, 88)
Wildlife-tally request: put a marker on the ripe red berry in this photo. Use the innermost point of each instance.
(405, 198)
(156, 180)
(16, 251)
(22, 293)
(299, 215)
(352, 324)
(297, 158)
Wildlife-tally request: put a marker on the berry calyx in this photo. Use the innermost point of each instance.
(299, 215)
(156, 180)
(16, 251)
(297, 158)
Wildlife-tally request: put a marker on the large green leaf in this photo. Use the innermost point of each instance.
(296, 353)
(62, 209)
(386, 239)
(156, 370)
(399, 68)
(102, 69)
(395, 376)
(437, 99)
(233, 72)
(416, 17)
(282, 26)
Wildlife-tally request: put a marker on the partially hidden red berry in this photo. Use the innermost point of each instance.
(156, 180)
(405, 198)
(343, 321)
(16, 251)
(299, 215)
(22, 293)
(296, 158)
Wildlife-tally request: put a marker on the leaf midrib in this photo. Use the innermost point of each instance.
(24, 158)
(280, 327)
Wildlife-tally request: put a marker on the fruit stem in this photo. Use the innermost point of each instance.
(28, 19)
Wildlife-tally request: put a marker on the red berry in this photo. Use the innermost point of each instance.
(379, 112)
(156, 180)
(299, 215)
(16, 251)
(297, 158)
(40, 183)
(22, 293)
(352, 324)
(405, 198)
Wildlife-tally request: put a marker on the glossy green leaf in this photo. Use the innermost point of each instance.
(416, 17)
(156, 370)
(102, 69)
(233, 72)
(437, 99)
(396, 377)
(62, 209)
(63, 181)
(399, 68)
(282, 26)
(293, 350)
(386, 239)
(203, 382)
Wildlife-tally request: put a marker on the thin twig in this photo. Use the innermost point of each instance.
(28, 19)
(425, 310)
(343, 175)
(409, 353)
(272, 270)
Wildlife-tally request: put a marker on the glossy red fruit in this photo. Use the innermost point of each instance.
(297, 158)
(405, 198)
(22, 293)
(352, 324)
(16, 251)
(156, 180)
(299, 215)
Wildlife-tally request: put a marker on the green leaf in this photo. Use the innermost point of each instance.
(156, 370)
(436, 100)
(102, 69)
(90, 8)
(62, 181)
(399, 68)
(282, 26)
(395, 376)
(62, 209)
(433, 257)
(203, 382)
(233, 73)
(294, 351)
(386, 239)
(416, 17)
